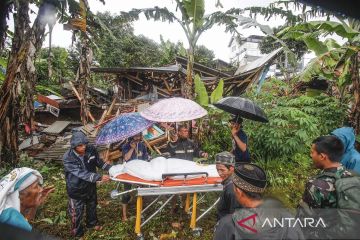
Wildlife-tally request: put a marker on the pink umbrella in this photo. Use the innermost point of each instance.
(173, 110)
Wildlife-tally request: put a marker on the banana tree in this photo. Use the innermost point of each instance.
(337, 63)
(17, 90)
(193, 21)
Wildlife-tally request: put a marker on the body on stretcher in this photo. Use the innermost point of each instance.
(169, 177)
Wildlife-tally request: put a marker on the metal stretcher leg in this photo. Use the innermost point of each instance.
(208, 210)
(193, 215)
(152, 203)
(139, 205)
(198, 201)
(159, 210)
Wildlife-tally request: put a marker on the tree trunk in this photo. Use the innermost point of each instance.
(355, 78)
(188, 90)
(10, 89)
(82, 76)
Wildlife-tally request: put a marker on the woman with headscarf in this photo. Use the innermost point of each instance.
(21, 194)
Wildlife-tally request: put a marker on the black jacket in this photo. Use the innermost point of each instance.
(183, 149)
(228, 202)
(80, 175)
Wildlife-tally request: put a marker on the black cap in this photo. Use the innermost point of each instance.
(249, 177)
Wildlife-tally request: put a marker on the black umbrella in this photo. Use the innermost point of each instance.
(242, 107)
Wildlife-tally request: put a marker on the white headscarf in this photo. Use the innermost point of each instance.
(10, 185)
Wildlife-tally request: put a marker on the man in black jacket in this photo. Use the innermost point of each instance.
(184, 148)
(80, 163)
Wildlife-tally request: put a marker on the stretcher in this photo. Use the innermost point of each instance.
(170, 187)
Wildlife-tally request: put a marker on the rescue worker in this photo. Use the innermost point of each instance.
(184, 148)
(239, 140)
(321, 196)
(80, 163)
(225, 162)
(351, 158)
(134, 148)
(248, 222)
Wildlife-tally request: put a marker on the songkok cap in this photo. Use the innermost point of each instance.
(225, 158)
(249, 177)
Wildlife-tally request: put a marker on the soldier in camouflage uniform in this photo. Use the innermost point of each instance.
(326, 153)
(320, 193)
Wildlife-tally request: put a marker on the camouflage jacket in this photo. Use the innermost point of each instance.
(320, 190)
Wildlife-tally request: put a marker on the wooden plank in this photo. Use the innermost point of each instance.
(78, 96)
(44, 99)
(57, 127)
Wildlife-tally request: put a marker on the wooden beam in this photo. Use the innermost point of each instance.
(105, 114)
(78, 96)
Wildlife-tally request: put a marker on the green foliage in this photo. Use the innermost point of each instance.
(204, 56)
(287, 179)
(122, 48)
(61, 65)
(201, 94)
(3, 65)
(217, 94)
(195, 10)
(269, 44)
(216, 136)
(293, 123)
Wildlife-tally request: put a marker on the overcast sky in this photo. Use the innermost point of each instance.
(215, 39)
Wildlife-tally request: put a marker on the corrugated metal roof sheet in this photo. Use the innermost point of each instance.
(57, 127)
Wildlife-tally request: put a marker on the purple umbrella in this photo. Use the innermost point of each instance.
(124, 126)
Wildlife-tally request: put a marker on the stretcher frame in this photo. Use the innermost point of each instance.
(149, 189)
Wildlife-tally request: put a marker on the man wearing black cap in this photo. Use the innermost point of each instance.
(225, 162)
(240, 149)
(254, 220)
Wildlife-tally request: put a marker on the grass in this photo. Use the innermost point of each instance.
(52, 218)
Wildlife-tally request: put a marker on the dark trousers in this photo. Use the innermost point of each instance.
(76, 212)
(126, 197)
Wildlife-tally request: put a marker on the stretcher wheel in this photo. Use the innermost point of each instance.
(197, 232)
(139, 237)
(114, 194)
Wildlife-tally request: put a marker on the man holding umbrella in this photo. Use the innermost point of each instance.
(241, 107)
(239, 138)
